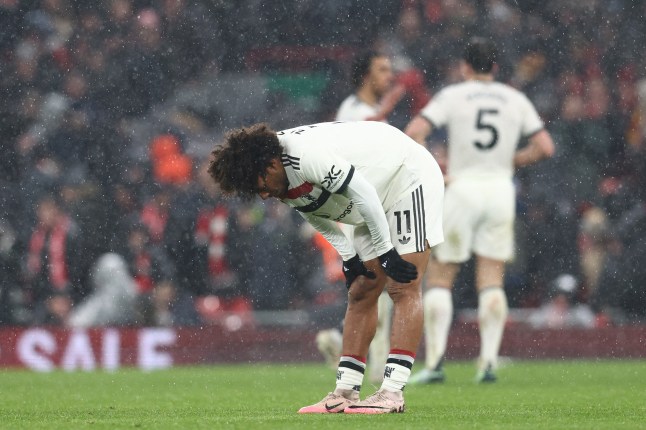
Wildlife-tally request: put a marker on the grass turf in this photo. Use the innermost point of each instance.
(528, 395)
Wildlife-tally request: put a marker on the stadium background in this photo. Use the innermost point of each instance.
(110, 108)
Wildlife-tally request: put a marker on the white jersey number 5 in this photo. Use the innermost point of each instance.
(482, 124)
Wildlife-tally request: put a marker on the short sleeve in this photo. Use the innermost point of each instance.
(436, 109)
(531, 121)
(326, 169)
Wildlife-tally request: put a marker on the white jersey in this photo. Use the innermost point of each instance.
(354, 109)
(485, 121)
(321, 159)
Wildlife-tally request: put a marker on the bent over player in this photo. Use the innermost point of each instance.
(485, 121)
(373, 99)
(376, 179)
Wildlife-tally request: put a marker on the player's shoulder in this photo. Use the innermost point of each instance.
(305, 136)
(347, 102)
(350, 100)
(301, 129)
(353, 109)
(505, 92)
(452, 91)
(441, 98)
(291, 139)
(295, 147)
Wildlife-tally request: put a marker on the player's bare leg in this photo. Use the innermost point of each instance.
(438, 315)
(408, 314)
(407, 326)
(380, 345)
(358, 330)
(492, 314)
(361, 315)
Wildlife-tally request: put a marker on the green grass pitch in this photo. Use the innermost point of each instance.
(529, 395)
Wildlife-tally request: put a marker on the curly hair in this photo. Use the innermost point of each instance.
(245, 155)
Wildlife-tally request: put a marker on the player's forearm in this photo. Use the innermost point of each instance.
(360, 191)
(333, 234)
(526, 156)
(540, 147)
(388, 102)
(418, 129)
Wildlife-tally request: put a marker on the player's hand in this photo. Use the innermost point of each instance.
(353, 268)
(397, 268)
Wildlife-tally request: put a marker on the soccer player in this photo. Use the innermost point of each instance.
(485, 121)
(376, 179)
(374, 98)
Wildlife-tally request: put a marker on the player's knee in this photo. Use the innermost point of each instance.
(365, 291)
(398, 291)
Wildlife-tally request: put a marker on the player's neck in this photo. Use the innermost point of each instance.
(367, 96)
(484, 77)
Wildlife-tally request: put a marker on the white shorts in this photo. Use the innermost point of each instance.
(414, 220)
(479, 217)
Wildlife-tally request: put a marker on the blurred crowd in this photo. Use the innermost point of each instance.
(92, 232)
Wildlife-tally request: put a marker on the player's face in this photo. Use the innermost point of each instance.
(381, 75)
(274, 182)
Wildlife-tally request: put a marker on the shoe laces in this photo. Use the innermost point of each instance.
(350, 395)
(377, 397)
(337, 397)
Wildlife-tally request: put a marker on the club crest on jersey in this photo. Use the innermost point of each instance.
(301, 191)
(331, 177)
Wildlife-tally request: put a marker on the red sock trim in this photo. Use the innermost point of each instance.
(402, 352)
(356, 357)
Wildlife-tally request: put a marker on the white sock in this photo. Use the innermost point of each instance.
(349, 374)
(438, 315)
(380, 344)
(397, 370)
(492, 315)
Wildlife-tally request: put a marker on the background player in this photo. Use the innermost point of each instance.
(374, 178)
(375, 96)
(485, 121)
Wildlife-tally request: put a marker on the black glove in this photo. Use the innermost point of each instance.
(354, 268)
(398, 268)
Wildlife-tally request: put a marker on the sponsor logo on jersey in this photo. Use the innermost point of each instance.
(346, 212)
(404, 240)
(332, 177)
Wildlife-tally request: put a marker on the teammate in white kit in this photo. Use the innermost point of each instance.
(374, 98)
(390, 190)
(485, 121)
